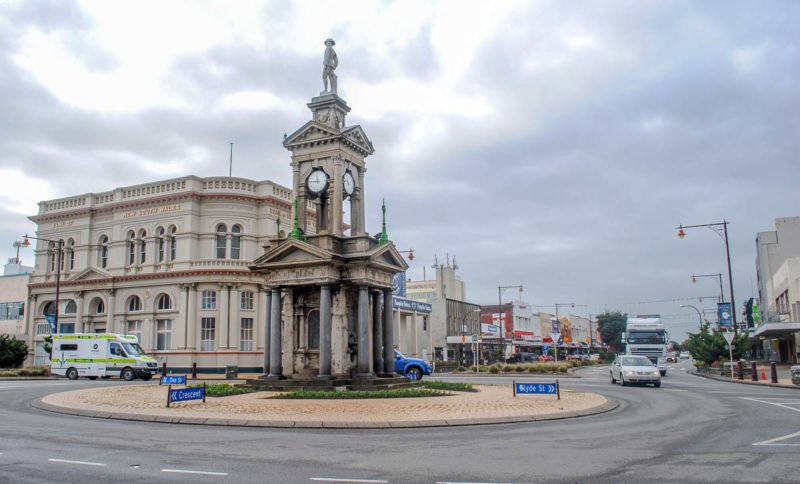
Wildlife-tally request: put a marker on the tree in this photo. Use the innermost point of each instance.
(710, 347)
(676, 346)
(13, 352)
(611, 326)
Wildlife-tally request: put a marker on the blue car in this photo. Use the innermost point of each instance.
(413, 368)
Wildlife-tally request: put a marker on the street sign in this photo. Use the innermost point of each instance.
(537, 389)
(185, 394)
(728, 336)
(173, 380)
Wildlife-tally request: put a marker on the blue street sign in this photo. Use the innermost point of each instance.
(184, 394)
(536, 388)
(545, 349)
(173, 380)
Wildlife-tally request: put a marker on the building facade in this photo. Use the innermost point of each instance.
(13, 302)
(165, 261)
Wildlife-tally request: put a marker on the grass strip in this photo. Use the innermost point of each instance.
(442, 385)
(360, 394)
(223, 389)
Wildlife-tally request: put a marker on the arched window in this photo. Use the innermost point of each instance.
(236, 242)
(49, 308)
(164, 303)
(173, 243)
(71, 308)
(161, 244)
(221, 240)
(101, 307)
(142, 246)
(71, 253)
(51, 253)
(104, 251)
(135, 304)
(131, 248)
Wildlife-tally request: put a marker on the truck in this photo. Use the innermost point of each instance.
(103, 355)
(646, 336)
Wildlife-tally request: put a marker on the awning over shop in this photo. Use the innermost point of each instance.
(775, 330)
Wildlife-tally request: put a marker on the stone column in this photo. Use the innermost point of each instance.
(224, 312)
(377, 333)
(110, 327)
(363, 332)
(359, 219)
(267, 329)
(78, 312)
(235, 335)
(336, 200)
(191, 317)
(275, 364)
(388, 334)
(415, 335)
(324, 332)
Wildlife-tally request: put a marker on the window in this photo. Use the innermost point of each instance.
(161, 244)
(101, 307)
(51, 254)
(42, 328)
(246, 335)
(163, 334)
(207, 334)
(173, 243)
(61, 254)
(247, 300)
(115, 349)
(236, 242)
(135, 329)
(221, 240)
(71, 253)
(424, 323)
(208, 300)
(142, 247)
(71, 308)
(313, 329)
(104, 252)
(12, 310)
(135, 304)
(66, 328)
(68, 347)
(131, 248)
(164, 303)
(49, 308)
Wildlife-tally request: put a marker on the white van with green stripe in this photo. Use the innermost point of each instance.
(100, 355)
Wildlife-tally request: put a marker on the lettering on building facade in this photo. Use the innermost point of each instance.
(151, 211)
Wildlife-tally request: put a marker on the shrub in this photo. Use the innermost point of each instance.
(13, 351)
(562, 369)
(223, 390)
(508, 367)
(519, 368)
(34, 371)
(494, 369)
(461, 368)
(441, 385)
(330, 395)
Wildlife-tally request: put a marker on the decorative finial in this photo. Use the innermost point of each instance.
(296, 234)
(384, 236)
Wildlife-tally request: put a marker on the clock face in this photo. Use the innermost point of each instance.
(317, 181)
(348, 183)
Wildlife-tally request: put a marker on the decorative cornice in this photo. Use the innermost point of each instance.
(144, 277)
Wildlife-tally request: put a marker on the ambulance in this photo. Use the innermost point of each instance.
(102, 355)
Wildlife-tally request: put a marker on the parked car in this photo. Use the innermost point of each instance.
(594, 357)
(629, 369)
(545, 358)
(523, 357)
(685, 355)
(413, 368)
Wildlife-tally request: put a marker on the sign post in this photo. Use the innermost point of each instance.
(556, 337)
(537, 389)
(729, 338)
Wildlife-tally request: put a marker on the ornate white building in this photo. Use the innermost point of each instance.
(149, 259)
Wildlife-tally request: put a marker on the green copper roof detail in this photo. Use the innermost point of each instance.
(384, 236)
(296, 234)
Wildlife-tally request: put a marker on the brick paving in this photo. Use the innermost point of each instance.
(492, 402)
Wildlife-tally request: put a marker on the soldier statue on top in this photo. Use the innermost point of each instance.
(329, 65)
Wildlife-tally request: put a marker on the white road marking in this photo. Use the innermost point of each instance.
(674, 390)
(771, 403)
(778, 439)
(184, 471)
(64, 461)
(450, 482)
(333, 479)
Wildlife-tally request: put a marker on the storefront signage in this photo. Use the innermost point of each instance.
(490, 330)
(142, 212)
(61, 225)
(409, 305)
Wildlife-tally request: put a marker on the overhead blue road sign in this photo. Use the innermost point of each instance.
(173, 380)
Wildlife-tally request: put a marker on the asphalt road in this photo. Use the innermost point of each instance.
(690, 430)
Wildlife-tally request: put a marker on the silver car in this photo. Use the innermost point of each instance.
(634, 369)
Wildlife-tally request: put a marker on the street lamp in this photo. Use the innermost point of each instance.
(464, 330)
(721, 228)
(500, 290)
(699, 314)
(59, 246)
(718, 275)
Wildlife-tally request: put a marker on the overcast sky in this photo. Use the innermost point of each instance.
(550, 144)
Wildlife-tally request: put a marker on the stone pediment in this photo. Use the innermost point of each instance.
(387, 256)
(356, 135)
(311, 131)
(90, 274)
(294, 252)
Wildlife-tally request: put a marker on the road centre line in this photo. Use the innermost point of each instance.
(778, 439)
(79, 462)
(771, 403)
(204, 473)
(451, 482)
(334, 479)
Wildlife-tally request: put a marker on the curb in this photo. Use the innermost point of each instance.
(28, 378)
(611, 404)
(745, 382)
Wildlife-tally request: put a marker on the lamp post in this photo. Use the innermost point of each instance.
(59, 246)
(721, 228)
(699, 314)
(500, 290)
(463, 335)
(718, 275)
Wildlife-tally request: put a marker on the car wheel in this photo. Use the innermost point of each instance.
(622, 381)
(657, 384)
(72, 374)
(128, 374)
(92, 377)
(613, 380)
(414, 373)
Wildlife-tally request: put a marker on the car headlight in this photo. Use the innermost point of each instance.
(630, 372)
(656, 372)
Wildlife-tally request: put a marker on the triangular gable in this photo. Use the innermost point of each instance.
(388, 255)
(90, 273)
(310, 131)
(355, 134)
(293, 251)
